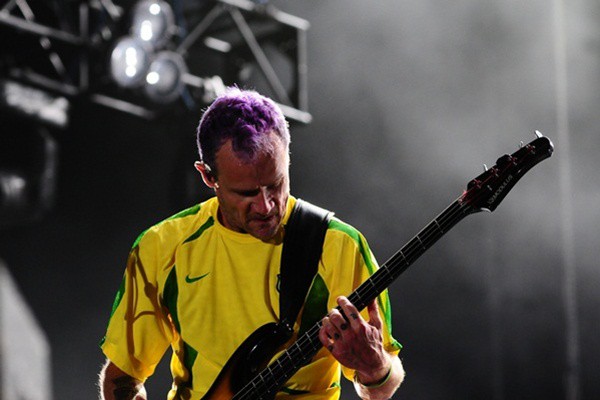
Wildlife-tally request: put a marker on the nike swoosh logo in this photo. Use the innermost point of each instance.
(195, 279)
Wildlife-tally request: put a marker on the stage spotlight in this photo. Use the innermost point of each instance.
(99, 48)
(129, 62)
(164, 80)
(153, 22)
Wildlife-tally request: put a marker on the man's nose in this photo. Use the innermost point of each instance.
(263, 203)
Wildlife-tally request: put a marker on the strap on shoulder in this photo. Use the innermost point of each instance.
(302, 248)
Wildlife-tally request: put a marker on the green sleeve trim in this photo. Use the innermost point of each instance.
(383, 300)
(139, 239)
(116, 302)
(315, 306)
(118, 297)
(396, 345)
(184, 213)
(359, 240)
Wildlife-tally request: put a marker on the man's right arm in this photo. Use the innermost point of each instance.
(117, 385)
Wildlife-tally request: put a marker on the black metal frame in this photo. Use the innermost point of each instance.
(78, 50)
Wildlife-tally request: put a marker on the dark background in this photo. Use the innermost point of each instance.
(409, 100)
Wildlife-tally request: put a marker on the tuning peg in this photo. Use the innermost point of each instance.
(538, 134)
(485, 168)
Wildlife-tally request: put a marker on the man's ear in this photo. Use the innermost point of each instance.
(207, 175)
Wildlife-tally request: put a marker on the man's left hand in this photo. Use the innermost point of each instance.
(356, 343)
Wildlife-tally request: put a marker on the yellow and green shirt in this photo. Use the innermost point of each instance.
(194, 285)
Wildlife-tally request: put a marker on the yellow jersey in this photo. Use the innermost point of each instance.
(201, 288)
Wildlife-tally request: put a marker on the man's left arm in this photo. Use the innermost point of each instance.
(358, 344)
(385, 386)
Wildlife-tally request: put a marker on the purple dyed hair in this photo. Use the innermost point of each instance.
(247, 119)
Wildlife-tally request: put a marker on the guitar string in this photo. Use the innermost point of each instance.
(462, 207)
(442, 223)
(308, 338)
(277, 370)
(447, 219)
(453, 214)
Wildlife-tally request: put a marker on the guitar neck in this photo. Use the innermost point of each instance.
(484, 192)
(307, 345)
(409, 253)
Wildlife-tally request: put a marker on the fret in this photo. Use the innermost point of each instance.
(287, 354)
(262, 380)
(358, 297)
(386, 274)
(438, 226)
(371, 283)
(421, 242)
(296, 346)
(278, 362)
(312, 337)
(431, 230)
(413, 251)
(254, 386)
(401, 254)
(269, 371)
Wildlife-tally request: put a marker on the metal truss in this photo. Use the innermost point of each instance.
(63, 48)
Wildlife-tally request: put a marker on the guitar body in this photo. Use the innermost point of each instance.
(250, 358)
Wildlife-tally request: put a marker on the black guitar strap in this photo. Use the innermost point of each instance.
(302, 247)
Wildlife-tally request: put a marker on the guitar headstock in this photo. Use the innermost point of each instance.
(487, 190)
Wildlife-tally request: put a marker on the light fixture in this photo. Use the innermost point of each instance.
(244, 42)
(129, 62)
(153, 22)
(164, 80)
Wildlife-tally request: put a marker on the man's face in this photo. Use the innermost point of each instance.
(252, 195)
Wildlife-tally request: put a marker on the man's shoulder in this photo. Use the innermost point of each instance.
(336, 227)
(342, 228)
(178, 226)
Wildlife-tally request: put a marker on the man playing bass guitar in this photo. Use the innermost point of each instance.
(203, 280)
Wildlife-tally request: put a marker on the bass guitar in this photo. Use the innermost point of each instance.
(247, 375)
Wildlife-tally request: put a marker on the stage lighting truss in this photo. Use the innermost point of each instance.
(152, 57)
